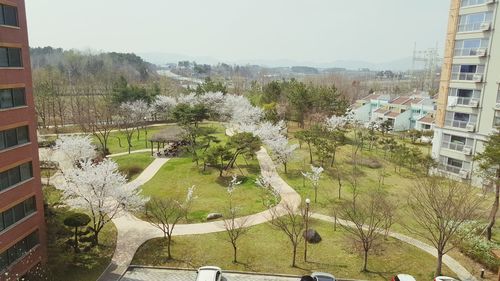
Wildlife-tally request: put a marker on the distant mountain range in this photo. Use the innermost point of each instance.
(401, 64)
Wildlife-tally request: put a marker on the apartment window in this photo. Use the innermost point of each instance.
(467, 72)
(462, 96)
(15, 175)
(17, 251)
(466, 3)
(12, 98)
(475, 22)
(8, 15)
(10, 57)
(17, 213)
(13, 137)
(471, 47)
(496, 121)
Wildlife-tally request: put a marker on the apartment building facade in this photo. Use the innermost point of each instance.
(468, 107)
(414, 111)
(22, 224)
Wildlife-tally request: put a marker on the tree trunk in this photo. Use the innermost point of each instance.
(494, 211)
(365, 261)
(76, 240)
(315, 194)
(234, 253)
(439, 264)
(284, 165)
(294, 255)
(310, 153)
(96, 238)
(169, 253)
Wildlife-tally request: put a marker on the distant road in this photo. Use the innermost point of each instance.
(174, 76)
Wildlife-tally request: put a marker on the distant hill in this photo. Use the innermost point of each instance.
(78, 62)
(401, 64)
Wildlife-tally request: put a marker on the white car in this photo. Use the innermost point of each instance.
(444, 278)
(209, 273)
(321, 276)
(403, 277)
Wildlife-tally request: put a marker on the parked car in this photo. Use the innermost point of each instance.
(209, 273)
(403, 277)
(321, 276)
(444, 278)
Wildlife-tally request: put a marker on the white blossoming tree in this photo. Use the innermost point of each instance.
(101, 191)
(69, 150)
(314, 176)
(282, 151)
(131, 117)
(163, 106)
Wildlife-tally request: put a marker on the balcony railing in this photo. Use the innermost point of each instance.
(465, 76)
(453, 145)
(457, 123)
(471, 27)
(449, 168)
(470, 52)
(466, 3)
(463, 100)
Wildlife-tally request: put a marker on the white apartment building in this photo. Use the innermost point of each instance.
(468, 107)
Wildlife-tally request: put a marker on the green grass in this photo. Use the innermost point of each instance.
(265, 249)
(63, 264)
(180, 173)
(132, 165)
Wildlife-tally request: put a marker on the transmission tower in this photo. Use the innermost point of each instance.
(431, 59)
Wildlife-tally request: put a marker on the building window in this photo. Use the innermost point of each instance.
(13, 137)
(17, 213)
(467, 72)
(475, 22)
(496, 121)
(462, 96)
(12, 98)
(471, 47)
(17, 251)
(466, 3)
(10, 57)
(8, 15)
(15, 175)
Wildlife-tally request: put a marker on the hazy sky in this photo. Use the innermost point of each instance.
(232, 30)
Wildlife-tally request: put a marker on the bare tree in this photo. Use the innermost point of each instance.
(367, 219)
(235, 229)
(290, 220)
(439, 208)
(164, 214)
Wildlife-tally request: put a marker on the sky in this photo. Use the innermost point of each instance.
(316, 31)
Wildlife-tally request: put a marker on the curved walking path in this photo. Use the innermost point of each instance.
(133, 232)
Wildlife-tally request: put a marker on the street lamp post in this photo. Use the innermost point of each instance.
(146, 130)
(308, 202)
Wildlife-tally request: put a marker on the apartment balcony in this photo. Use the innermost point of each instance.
(461, 124)
(456, 146)
(470, 52)
(465, 76)
(468, 3)
(474, 27)
(463, 101)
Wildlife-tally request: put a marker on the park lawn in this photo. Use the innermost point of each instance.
(133, 164)
(63, 264)
(265, 249)
(178, 174)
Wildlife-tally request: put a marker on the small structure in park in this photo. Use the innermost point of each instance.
(168, 141)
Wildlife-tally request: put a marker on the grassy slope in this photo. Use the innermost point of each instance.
(265, 249)
(137, 161)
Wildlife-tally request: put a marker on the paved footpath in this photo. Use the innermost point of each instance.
(133, 232)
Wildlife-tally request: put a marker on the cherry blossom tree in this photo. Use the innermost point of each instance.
(282, 151)
(336, 122)
(69, 150)
(101, 191)
(163, 106)
(314, 176)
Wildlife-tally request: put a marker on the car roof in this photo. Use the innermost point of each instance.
(406, 277)
(445, 278)
(314, 274)
(210, 268)
(207, 273)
